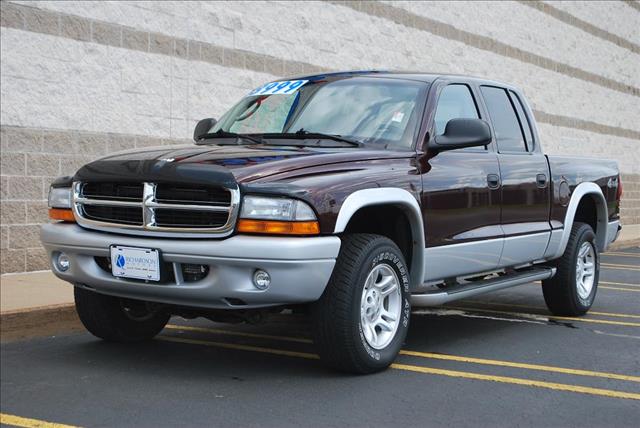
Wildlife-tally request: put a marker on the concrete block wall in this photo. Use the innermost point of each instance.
(80, 79)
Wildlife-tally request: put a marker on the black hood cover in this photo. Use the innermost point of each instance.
(221, 164)
(181, 164)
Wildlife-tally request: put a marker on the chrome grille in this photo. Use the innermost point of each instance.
(189, 195)
(115, 191)
(124, 215)
(159, 208)
(183, 218)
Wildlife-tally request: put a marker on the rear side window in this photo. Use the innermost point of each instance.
(455, 102)
(505, 121)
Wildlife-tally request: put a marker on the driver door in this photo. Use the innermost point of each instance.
(461, 196)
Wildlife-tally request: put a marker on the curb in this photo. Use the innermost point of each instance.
(618, 245)
(37, 322)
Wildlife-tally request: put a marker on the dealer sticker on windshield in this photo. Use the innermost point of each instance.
(275, 88)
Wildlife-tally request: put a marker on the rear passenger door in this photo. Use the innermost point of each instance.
(524, 174)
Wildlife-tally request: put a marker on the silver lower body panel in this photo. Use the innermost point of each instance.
(300, 268)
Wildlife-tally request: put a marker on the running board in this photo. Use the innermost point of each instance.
(463, 291)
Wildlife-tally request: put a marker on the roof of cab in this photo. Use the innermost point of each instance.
(423, 77)
(404, 75)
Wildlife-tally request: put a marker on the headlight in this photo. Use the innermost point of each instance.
(282, 209)
(277, 216)
(60, 204)
(60, 197)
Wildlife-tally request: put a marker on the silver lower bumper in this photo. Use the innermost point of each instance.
(613, 231)
(299, 267)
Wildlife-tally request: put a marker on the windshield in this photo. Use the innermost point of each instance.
(369, 110)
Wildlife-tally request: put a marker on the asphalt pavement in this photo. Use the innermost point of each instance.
(496, 360)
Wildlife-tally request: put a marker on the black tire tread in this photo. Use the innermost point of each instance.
(103, 317)
(333, 312)
(559, 291)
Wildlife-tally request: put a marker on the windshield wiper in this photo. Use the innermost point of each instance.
(303, 134)
(224, 134)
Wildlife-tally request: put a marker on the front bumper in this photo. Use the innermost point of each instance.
(300, 268)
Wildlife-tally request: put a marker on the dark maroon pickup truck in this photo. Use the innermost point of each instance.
(356, 195)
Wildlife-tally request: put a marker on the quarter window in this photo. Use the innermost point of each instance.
(524, 122)
(508, 133)
(455, 102)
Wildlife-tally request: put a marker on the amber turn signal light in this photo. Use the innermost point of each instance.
(279, 227)
(61, 214)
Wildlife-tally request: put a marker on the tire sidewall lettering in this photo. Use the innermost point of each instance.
(397, 264)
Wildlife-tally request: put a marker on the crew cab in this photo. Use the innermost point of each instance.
(355, 195)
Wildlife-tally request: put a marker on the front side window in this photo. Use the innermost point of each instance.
(377, 111)
(508, 133)
(455, 102)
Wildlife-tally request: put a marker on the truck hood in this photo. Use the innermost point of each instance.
(221, 163)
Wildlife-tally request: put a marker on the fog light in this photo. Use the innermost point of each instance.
(261, 279)
(63, 262)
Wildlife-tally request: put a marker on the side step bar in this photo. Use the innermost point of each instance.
(463, 291)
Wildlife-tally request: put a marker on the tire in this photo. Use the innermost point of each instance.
(339, 332)
(106, 317)
(564, 294)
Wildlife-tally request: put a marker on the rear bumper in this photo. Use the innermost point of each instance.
(300, 268)
(613, 231)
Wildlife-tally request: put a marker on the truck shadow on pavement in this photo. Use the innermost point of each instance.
(249, 352)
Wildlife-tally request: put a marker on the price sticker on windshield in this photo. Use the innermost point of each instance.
(278, 88)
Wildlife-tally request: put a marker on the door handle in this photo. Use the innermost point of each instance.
(493, 180)
(541, 180)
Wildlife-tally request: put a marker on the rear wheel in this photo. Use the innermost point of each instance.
(361, 320)
(573, 289)
(118, 320)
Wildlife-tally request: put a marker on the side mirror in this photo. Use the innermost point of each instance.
(203, 127)
(460, 133)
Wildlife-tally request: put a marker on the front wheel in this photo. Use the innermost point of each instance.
(361, 320)
(573, 289)
(118, 320)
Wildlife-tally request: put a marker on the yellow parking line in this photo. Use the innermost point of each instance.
(635, 266)
(18, 421)
(619, 283)
(611, 314)
(622, 254)
(619, 267)
(527, 366)
(237, 333)
(607, 283)
(618, 288)
(540, 308)
(551, 317)
(426, 370)
(518, 381)
(240, 347)
(608, 288)
(430, 355)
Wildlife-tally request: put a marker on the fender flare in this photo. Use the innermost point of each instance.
(396, 197)
(582, 190)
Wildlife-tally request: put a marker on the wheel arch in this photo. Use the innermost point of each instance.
(392, 197)
(587, 205)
